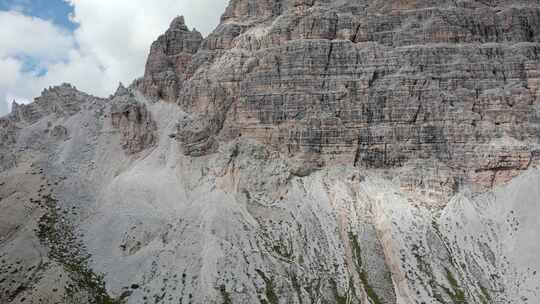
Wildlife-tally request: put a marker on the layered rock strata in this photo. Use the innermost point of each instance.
(169, 56)
(134, 122)
(375, 84)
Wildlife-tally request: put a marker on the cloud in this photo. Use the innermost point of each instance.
(10, 68)
(24, 39)
(110, 44)
(33, 37)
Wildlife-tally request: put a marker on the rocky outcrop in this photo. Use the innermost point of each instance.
(59, 133)
(195, 135)
(134, 122)
(59, 102)
(8, 135)
(63, 100)
(375, 84)
(166, 68)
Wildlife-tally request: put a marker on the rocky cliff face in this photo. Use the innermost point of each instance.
(375, 84)
(168, 59)
(133, 120)
(304, 152)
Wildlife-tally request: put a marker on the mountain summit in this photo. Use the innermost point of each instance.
(305, 151)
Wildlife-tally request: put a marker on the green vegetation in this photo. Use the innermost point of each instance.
(456, 294)
(374, 298)
(55, 232)
(485, 298)
(340, 299)
(357, 253)
(225, 295)
(269, 289)
(281, 249)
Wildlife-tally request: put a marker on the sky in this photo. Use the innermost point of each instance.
(92, 44)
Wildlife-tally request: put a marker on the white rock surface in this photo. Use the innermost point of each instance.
(237, 227)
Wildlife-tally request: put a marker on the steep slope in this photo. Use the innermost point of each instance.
(304, 152)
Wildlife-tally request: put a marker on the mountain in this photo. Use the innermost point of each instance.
(306, 151)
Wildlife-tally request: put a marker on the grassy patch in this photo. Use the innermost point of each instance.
(456, 294)
(225, 295)
(282, 250)
(372, 295)
(357, 253)
(269, 289)
(485, 297)
(55, 232)
(340, 299)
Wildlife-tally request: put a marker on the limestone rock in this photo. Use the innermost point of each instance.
(134, 122)
(195, 135)
(168, 60)
(59, 132)
(63, 100)
(374, 84)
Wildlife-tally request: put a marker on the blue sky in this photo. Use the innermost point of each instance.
(56, 11)
(92, 44)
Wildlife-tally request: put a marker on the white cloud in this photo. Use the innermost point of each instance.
(110, 45)
(33, 37)
(10, 70)
(23, 37)
(8, 77)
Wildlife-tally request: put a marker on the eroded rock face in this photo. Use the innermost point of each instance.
(133, 121)
(195, 135)
(168, 59)
(63, 100)
(54, 103)
(8, 133)
(59, 133)
(376, 84)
